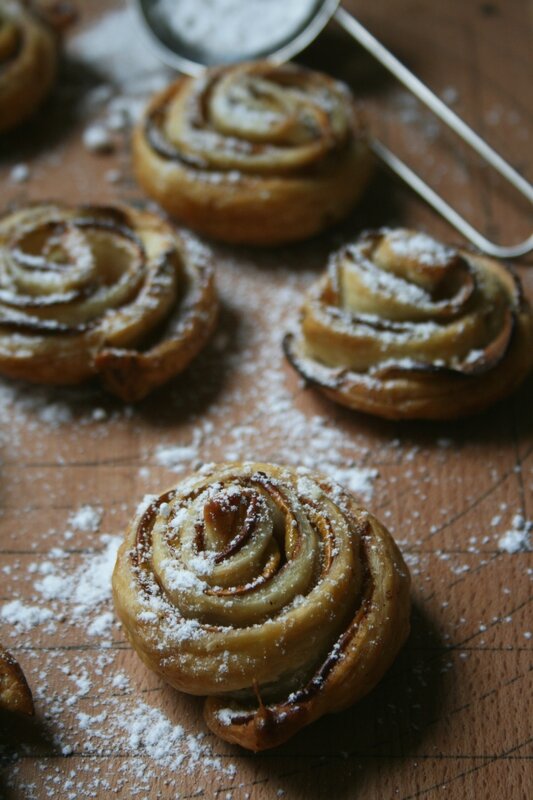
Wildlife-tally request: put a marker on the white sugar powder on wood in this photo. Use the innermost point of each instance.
(179, 457)
(24, 616)
(359, 480)
(19, 174)
(87, 587)
(516, 539)
(86, 518)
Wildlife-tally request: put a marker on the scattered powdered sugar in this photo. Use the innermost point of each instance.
(160, 739)
(23, 615)
(420, 246)
(358, 480)
(145, 503)
(308, 488)
(20, 173)
(148, 731)
(179, 457)
(101, 624)
(516, 539)
(120, 681)
(86, 518)
(178, 578)
(86, 588)
(56, 414)
(203, 563)
(99, 719)
(97, 139)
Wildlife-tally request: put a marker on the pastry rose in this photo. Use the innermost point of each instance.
(255, 153)
(266, 588)
(405, 327)
(97, 291)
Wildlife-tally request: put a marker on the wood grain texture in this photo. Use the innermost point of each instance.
(453, 716)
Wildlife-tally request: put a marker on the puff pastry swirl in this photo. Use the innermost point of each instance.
(254, 153)
(100, 291)
(266, 588)
(28, 62)
(15, 694)
(404, 327)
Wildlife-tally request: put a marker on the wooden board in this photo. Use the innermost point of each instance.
(453, 716)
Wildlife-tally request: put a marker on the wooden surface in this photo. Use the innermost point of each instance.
(453, 718)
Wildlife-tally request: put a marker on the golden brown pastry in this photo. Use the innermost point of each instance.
(254, 153)
(110, 292)
(28, 62)
(15, 694)
(266, 588)
(402, 326)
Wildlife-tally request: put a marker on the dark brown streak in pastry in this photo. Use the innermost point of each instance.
(35, 325)
(159, 142)
(248, 528)
(336, 653)
(140, 554)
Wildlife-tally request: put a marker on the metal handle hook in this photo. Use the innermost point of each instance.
(450, 118)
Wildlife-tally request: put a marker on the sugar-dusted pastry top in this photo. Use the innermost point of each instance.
(403, 326)
(99, 291)
(266, 588)
(15, 694)
(255, 153)
(28, 62)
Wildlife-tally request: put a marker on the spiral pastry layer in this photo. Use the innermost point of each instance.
(15, 694)
(254, 153)
(266, 588)
(99, 291)
(404, 327)
(28, 62)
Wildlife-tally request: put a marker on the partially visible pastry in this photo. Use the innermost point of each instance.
(15, 694)
(98, 291)
(402, 326)
(254, 153)
(266, 588)
(28, 62)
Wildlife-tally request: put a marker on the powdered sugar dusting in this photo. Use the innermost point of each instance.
(179, 457)
(86, 518)
(177, 579)
(85, 589)
(516, 539)
(359, 481)
(79, 597)
(418, 246)
(23, 615)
